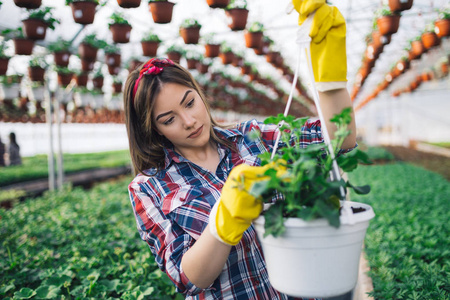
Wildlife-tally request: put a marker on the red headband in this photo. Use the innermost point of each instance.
(152, 67)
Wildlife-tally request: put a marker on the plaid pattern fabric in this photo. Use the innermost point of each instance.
(172, 209)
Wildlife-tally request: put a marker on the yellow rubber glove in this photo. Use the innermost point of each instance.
(234, 212)
(328, 49)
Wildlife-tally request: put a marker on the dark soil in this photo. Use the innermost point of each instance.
(433, 162)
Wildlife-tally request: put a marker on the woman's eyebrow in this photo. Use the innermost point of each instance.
(181, 103)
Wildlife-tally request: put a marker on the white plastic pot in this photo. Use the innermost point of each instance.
(9, 92)
(313, 259)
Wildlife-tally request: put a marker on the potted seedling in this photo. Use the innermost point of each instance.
(429, 38)
(65, 75)
(238, 13)
(81, 78)
(129, 3)
(161, 11)
(203, 65)
(212, 47)
(387, 21)
(265, 46)
(218, 3)
(190, 31)
(192, 59)
(417, 48)
(4, 59)
(226, 54)
(36, 68)
(175, 52)
(22, 45)
(97, 78)
(28, 4)
(89, 47)
(61, 52)
(254, 35)
(117, 85)
(311, 240)
(113, 59)
(120, 28)
(400, 5)
(442, 24)
(83, 11)
(150, 43)
(35, 26)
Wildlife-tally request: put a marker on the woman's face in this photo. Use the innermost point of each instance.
(180, 115)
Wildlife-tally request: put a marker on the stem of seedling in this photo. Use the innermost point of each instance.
(10, 255)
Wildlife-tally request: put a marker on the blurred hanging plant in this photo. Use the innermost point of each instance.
(59, 45)
(190, 22)
(150, 36)
(240, 4)
(38, 61)
(44, 14)
(256, 27)
(92, 40)
(118, 18)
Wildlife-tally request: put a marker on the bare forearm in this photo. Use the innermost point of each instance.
(333, 102)
(203, 263)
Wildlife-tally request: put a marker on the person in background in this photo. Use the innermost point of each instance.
(2, 153)
(14, 151)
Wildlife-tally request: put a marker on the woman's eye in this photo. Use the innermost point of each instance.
(190, 103)
(170, 120)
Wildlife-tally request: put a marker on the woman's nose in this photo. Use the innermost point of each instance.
(188, 120)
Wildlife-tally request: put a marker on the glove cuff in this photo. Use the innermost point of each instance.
(331, 85)
(213, 224)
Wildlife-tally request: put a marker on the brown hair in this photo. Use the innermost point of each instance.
(146, 145)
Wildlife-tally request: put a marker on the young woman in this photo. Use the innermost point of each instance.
(184, 196)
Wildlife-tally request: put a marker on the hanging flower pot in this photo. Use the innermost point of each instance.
(218, 3)
(34, 29)
(417, 48)
(442, 27)
(113, 59)
(134, 64)
(129, 3)
(87, 52)
(149, 48)
(237, 61)
(174, 56)
(161, 11)
(380, 40)
(87, 65)
(191, 63)
(430, 40)
(202, 68)
(83, 12)
(29, 4)
(271, 57)
(190, 31)
(388, 25)
(237, 18)
(212, 50)
(36, 73)
(81, 79)
(61, 58)
(253, 40)
(400, 5)
(65, 78)
(117, 87)
(444, 68)
(97, 82)
(120, 33)
(4, 65)
(226, 57)
(114, 70)
(246, 69)
(23, 46)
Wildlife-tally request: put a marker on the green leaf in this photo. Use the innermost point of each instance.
(360, 190)
(6, 288)
(47, 292)
(24, 293)
(111, 285)
(274, 221)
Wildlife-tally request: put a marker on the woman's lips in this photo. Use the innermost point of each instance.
(196, 133)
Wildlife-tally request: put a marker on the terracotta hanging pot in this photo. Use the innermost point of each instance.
(83, 12)
(97, 82)
(237, 61)
(237, 18)
(23, 46)
(113, 70)
(113, 59)
(430, 40)
(174, 56)
(36, 73)
(388, 24)
(191, 63)
(271, 57)
(87, 65)
(65, 78)
(202, 68)
(226, 57)
(263, 49)
(218, 3)
(117, 87)
(444, 68)
(34, 29)
(161, 11)
(87, 52)
(212, 50)
(442, 27)
(417, 48)
(400, 5)
(120, 33)
(61, 58)
(129, 3)
(380, 40)
(190, 35)
(246, 69)
(253, 39)
(4, 65)
(81, 79)
(29, 4)
(134, 64)
(149, 48)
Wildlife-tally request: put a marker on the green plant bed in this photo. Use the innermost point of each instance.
(443, 144)
(407, 243)
(36, 167)
(379, 154)
(78, 244)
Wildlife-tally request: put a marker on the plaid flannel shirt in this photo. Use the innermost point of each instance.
(172, 209)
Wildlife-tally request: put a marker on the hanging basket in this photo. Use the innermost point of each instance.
(65, 78)
(23, 46)
(61, 58)
(246, 69)
(36, 74)
(87, 52)
(81, 79)
(120, 33)
(87, 65)
(442, 27)
(97, 82)
(253, 39)
(212, 50)
(388, 24)
(237, 18)
(149, 48)
(129, 3)
(202, 68)
(83, 12)
(191, 63)
(313, 259)
(400, 5)
(113, 70)
(190, 35)
(161, 11)
(226, 57)
(218, 3)
(117, 87)
(430, 40)
(417, 49)
(380, 40)
(28, 4)
(4, 65)
(113, 59)
(174, 56)
(34, 29)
